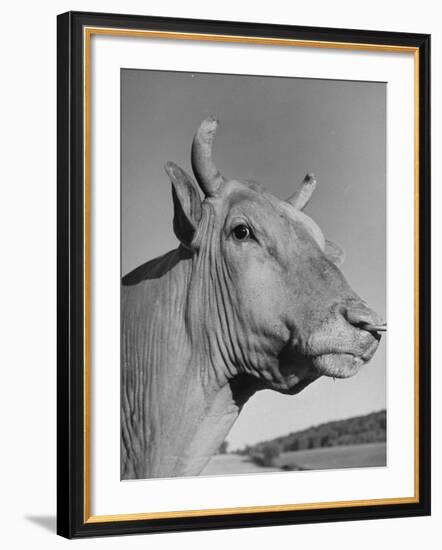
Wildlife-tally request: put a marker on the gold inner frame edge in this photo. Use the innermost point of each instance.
(87, 33)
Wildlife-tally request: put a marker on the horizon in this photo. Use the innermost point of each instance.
(305, 429)
(273, 130)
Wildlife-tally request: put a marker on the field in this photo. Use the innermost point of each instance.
(343, 456)
(233, 464)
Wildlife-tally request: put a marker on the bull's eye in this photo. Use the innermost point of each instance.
(241, 232)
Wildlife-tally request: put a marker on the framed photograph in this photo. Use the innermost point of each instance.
(243, 274)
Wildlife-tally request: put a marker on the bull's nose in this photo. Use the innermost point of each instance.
(362, 317)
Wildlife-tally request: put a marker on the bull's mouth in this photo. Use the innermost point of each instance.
(338, 365)
(300, 370)
(344, 365)
(341, 364)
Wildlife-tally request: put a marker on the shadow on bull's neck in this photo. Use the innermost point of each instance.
(243, 386)
(156, 268)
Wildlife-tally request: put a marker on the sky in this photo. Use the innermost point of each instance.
(273, 130)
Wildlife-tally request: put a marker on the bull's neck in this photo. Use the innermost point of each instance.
(179, 399)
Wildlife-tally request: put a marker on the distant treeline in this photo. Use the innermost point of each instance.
(352, 431)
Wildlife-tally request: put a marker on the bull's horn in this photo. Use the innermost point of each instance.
(208, 176)
(303, 193)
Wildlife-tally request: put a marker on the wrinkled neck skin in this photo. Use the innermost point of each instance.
(189, 363)
(180, 392)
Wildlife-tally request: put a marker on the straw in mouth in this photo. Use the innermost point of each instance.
(375, 328)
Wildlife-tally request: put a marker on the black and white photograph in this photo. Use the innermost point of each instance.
(221, 262)
(253, 274)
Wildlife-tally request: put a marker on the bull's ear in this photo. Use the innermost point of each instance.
(186, 203)
(334, 253)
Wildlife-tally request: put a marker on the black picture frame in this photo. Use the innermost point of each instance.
(72, 515)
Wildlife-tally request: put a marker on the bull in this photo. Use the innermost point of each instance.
(252, 298)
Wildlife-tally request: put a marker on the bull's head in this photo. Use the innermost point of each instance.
(266, 296)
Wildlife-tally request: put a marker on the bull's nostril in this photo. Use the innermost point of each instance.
(360, 316)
